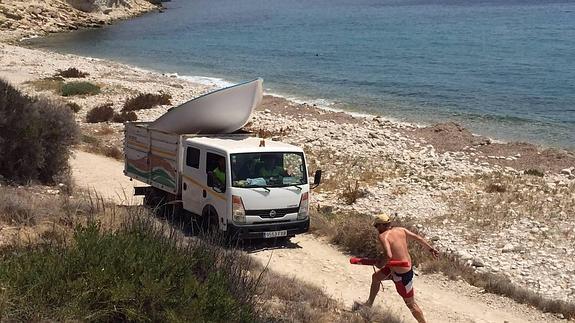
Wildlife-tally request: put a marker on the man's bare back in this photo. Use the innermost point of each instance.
(395, 243)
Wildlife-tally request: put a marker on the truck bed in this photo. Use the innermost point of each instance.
(151, 156)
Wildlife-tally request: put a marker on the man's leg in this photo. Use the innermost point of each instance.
(376, 280)
(415, 309)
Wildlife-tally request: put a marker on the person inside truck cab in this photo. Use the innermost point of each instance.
(220, 172)
(271, 167)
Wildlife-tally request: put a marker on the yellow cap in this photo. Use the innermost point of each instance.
(381, 218)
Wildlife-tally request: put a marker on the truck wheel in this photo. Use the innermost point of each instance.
(154, 198)
(209, 220)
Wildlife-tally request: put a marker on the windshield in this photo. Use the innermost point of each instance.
(277, 169)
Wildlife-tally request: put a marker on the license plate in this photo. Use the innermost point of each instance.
(275, 234)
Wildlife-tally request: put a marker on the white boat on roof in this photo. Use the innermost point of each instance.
(222, 111)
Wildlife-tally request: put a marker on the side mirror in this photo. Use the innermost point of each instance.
(210, 179)
(316, 178)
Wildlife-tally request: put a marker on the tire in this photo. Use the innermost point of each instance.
(209, 220)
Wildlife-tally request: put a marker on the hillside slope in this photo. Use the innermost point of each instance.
(24, 18)
(314, 261)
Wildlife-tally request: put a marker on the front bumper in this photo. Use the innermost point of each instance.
(256, 231)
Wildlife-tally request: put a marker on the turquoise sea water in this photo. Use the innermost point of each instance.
(501, 68)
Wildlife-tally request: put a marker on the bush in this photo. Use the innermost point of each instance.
(495, 188)
(125, 116)
(100, 113)
(134, 274)
(147, 101)
(35, 136)
(71, 73)
(534, 172)
(74, 106)
(80, 88)
(350, 193)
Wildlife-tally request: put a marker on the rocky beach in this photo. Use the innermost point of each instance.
(505, 208)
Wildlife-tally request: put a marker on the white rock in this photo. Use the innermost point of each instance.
(566, 171)
(508, 248)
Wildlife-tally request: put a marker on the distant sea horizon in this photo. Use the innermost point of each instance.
(503, 69)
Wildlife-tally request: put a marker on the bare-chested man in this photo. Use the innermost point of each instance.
(394, 241)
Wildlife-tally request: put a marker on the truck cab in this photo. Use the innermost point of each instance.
(248, 187)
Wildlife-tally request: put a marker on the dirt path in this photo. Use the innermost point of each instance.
(103, 175)
(313, 260)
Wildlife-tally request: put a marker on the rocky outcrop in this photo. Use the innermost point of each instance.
(22, 18)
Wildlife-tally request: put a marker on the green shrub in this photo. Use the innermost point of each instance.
(35, 137)
(100, 113)
(125, 116)
(74, 106)
(80, 88)
(71, 73)
(147, 101)
(134, 274)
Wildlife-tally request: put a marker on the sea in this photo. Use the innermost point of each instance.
(502, 68)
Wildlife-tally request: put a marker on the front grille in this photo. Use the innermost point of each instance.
(269, 213)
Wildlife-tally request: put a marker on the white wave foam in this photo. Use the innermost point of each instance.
(205, 80)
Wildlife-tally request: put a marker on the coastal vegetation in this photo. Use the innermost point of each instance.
(125, 116)
(79, 88)
(147, 101)
(78, 258)
(57, 84)
(354, 233)
(101, 113)
(75, 107)
(35, 137)
(71, 72)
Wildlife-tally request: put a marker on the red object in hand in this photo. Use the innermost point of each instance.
(362, 261)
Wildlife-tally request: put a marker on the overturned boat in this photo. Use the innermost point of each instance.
(222, 111)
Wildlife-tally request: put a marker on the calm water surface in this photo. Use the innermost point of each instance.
(502, 68)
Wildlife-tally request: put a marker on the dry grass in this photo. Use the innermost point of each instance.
(273, 297)
(271, 133)
(508, 198)
(106, 130)
(53, 84)
(353, 232)
(351, 193)
(21, 207)
(342, 169)
(350, 231)
(296, 301)
(147, 101)
(97, 146)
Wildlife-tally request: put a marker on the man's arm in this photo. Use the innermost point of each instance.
(412, 236)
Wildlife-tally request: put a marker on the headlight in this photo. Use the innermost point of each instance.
(238, 210)
(303, 206)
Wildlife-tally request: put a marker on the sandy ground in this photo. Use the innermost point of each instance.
(104, 176)
(313, 260)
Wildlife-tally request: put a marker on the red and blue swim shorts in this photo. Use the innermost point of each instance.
(403, 282)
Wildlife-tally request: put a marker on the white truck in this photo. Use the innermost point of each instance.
(242, 185)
